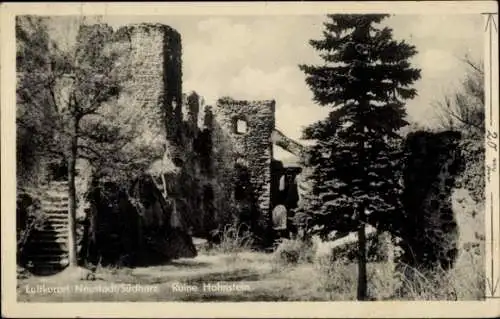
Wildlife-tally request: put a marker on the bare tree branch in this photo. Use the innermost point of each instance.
(464, 120)
(473, 65)
(89, 149)
(467, 105)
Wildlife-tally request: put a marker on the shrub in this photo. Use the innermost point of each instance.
(294, 251)
(30, 218)
(379, 247)
(22, 273)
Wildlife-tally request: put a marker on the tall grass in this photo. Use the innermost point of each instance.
(233, 239)
(465, 281)
(390, 281)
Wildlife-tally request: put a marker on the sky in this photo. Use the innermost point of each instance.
(257, 57)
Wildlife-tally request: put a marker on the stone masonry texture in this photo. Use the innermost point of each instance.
(252, 148)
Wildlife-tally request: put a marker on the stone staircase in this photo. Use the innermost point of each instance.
(48, 245)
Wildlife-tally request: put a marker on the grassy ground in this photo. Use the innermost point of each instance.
(253, 273)
(256, 277)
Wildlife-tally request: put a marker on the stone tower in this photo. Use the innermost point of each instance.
(155, 85)
(248, 125)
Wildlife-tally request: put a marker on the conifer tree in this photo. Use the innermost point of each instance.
(365, 79)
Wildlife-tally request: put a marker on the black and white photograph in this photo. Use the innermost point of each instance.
(324, 156)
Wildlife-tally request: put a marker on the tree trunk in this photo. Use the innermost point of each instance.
(72, 246)
(362, 282)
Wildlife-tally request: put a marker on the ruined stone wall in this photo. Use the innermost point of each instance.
(221, 169)
(212, 161)
(433, 163)
(149, 65)
(251, 148)
(171, 119)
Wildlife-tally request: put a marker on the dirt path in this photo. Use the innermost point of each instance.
(234, 277)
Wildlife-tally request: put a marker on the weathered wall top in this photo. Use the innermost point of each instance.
(148, 27)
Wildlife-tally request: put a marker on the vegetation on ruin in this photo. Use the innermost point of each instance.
(365, 80)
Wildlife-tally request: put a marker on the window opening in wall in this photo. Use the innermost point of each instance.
(242, 182)
(241, 126)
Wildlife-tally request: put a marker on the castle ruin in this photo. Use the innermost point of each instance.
(224, 171)
(216, 168)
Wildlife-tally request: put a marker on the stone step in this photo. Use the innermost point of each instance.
(51, 240)
(50, 263)
(53, 231)
(58, 223)
(56, 189)
(56, 184)
(56, 250)
(53, 218)
(41, 241)
(49, 245)
(48, 200)
(57, 213)
(55, 210)
(49, 234)
(54, 260)
(52, 200)
(58, 228)
(51, 248)
(55, 205)
(49, 257)
(56, 192)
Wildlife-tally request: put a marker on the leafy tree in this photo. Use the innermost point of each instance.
(35, 116)
(365, 79)
(83, 80)
(463, 110)
(83, 85)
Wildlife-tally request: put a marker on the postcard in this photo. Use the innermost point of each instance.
(250, 159)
